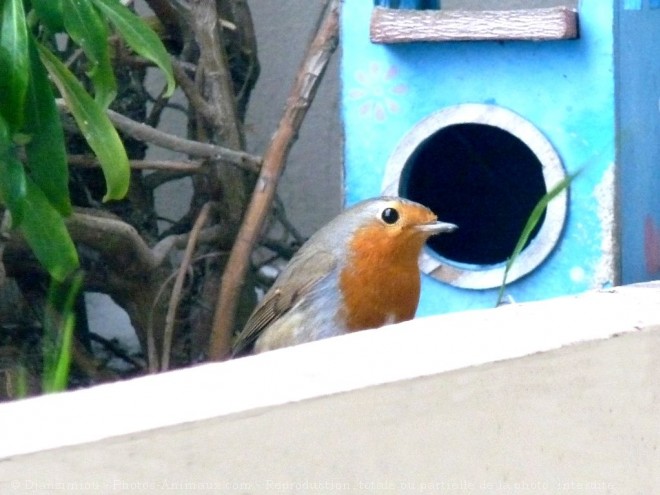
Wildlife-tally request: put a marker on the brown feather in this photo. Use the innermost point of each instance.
(301, 275)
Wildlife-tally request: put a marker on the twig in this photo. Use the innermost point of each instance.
(302, 93)
(214, 80)
(175, 295)
(194, 96)
(152, 355)
(159, 177)
(159, 104)
(280, 215)
(90, 366)
(116, 350)
(219, 105)
(170, 15)
(143, 132)
(193, 166)
(216, 235)
(116, 240)
(149, 134)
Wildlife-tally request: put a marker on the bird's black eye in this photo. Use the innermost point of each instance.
(390, 215)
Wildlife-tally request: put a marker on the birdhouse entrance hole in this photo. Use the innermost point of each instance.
(483, 168)
(490, 195)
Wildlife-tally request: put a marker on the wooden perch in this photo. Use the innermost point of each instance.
(542, 24)
(303, 91)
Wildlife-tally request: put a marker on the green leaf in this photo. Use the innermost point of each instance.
(14, 79)
(139, 37)
(5, 68)
(534, 217)
(13, 187)
(95, 126)
(90, 32)
(59, 324)
(12, 176)
(44, 230)
(50, 12)
(45, 151)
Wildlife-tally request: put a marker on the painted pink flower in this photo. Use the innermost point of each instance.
(377, 91)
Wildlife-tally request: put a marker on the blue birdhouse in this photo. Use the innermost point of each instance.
(479, 113)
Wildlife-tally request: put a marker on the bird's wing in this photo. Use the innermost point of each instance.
(307, 270)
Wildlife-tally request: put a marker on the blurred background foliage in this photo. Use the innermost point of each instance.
(83, 90)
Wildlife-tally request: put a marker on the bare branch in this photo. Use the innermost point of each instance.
(192, 166)
(116, 240)
(216, 235)
(194, 96)
(302, 93)
(170, 14)
(148, 134)
(214, 78)
(116, 350)
(175, 295)
(213, 72)
(160, 177)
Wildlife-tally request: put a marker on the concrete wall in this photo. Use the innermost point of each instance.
(559, 396)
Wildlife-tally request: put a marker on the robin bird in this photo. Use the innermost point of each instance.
(359, 271)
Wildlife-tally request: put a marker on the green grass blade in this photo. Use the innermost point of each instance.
(139, 37)
(59, 375)
(532, 221)
(22, 386)
(59, 324)
(92, 120)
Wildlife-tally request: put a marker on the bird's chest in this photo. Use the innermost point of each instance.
(376, 293)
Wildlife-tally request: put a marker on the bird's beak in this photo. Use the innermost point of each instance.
(434, 228)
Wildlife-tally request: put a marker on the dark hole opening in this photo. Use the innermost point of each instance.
(483, 179)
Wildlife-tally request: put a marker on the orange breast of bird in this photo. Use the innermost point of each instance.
(380, 282)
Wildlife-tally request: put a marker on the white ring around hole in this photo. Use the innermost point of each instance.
(488, 276)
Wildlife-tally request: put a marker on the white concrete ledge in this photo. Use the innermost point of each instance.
(435, 400)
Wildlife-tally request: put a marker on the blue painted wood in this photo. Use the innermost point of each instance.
(639, 144)
(567, 90)
(390, 4)
(632, 4)
(409, 4)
